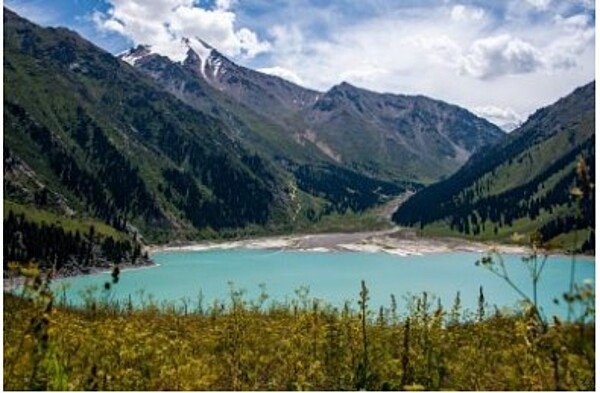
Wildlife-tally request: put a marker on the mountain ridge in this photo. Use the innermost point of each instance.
(307, 117)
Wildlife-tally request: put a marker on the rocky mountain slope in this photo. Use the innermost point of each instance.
(397, 136)
(524, 183)
(260, 92)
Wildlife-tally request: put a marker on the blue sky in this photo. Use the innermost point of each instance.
(501, 59)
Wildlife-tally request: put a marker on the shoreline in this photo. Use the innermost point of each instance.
(12, 283)
(392, 241)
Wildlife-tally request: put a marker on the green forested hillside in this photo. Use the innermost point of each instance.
(98, 157)
(86, 135)
(106, 141)
(523, 183)
(65, 245)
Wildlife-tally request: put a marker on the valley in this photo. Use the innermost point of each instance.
(192, 147)
(398, 241)
(195, 148)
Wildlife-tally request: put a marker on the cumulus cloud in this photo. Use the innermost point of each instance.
(501, 63)
(501, 55)
(566, 50)
(590, 4)
(163, 23)
(363, 73)
(440, 49)
(501, 59)
(224, 4)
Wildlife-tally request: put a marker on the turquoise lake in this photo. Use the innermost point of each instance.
(334, 277)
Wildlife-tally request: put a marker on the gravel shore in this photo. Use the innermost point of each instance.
(392, 241)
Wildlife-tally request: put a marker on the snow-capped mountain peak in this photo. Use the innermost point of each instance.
(134, 54)
(176, 52)
(199, 52)
(200, 47)
(197, 60)
(193, 52)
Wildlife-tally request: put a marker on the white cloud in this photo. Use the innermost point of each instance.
(573, 23)
(441, 49)
(566, 50)
(481, 58)
(463, 13)
(163, 23)
(539, 4)
(287, 41)
(250, 45)
(107, 24)
(224, 4)
(504, 116)
(590, 4)
(363, 73)
(282, 73)
(501, 55)
(514, 55)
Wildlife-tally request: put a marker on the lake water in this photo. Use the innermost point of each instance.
(332, 276)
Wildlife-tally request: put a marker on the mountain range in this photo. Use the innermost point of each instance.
(194, 146)
(386, 136)
(203, 145)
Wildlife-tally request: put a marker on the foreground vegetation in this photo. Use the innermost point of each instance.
(243, 344)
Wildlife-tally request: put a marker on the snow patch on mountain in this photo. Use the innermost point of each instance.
(504, 117)
(215, 62)
(176, 53)
(203, 50)
(133, 55)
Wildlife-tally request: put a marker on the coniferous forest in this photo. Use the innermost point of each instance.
(55, 248)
